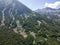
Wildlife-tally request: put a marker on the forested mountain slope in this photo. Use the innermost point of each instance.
(21, 26)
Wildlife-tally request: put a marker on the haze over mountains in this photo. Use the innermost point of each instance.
(19, 25)
(49, 10)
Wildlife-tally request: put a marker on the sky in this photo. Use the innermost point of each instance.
(39, 4)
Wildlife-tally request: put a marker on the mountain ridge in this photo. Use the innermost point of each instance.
(49, 10)
(19, 25)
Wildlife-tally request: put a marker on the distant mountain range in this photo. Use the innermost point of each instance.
(48, 10)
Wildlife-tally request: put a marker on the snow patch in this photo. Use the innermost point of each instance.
(11, 15)
(20, 30)
(26, 16)
(34, 42)
(18, 23)
(48, 17)
(33, 34)
(3, 18)
(15, 30)
(39, 22)
(23, 33)
(45, 39)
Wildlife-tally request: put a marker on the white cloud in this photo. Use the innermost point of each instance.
(52, 5)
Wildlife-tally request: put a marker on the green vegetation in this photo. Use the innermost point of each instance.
(25, 27)
(48, 33)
